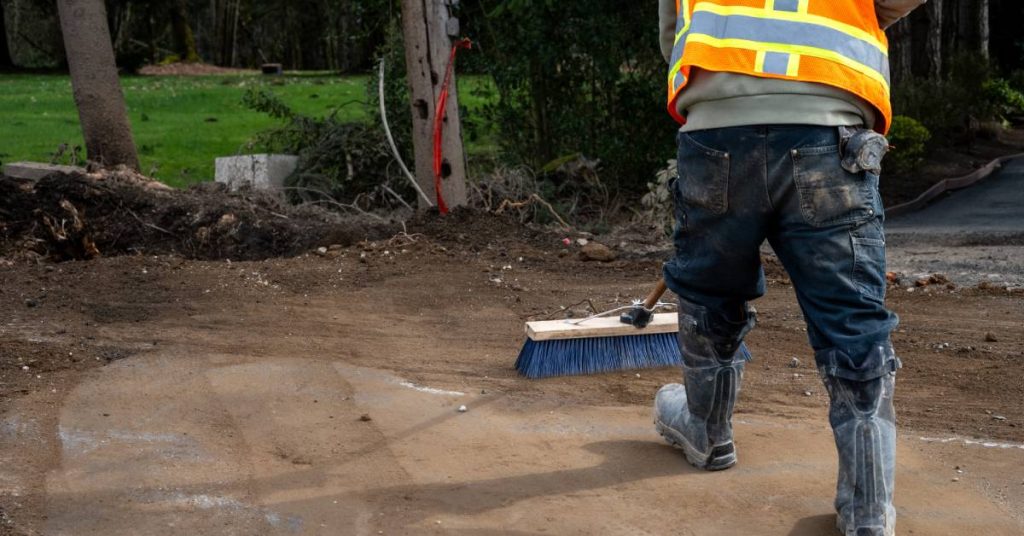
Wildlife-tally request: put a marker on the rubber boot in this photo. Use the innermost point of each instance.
(696, 417)
(863, 422)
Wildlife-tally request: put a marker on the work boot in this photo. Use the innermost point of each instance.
(697, 417)
(863, 422)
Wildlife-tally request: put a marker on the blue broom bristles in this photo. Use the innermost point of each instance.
(571, 357)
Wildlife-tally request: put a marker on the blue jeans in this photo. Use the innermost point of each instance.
(738, 187)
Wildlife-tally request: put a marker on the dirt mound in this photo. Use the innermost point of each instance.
(189, 69)
(475, 230)
(82, 216)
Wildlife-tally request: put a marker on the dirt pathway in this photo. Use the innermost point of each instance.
(234, 397)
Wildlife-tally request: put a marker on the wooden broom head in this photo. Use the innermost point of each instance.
(552, 330)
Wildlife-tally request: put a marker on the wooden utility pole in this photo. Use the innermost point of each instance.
(97, 89)
(428, 28)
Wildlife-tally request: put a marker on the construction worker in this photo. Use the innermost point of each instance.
(783, 106)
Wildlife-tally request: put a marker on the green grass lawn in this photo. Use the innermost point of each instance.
(180, 124)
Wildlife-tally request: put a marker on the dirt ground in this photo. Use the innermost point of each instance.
(319, 395)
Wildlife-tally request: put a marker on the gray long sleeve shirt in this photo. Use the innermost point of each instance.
(719, 99)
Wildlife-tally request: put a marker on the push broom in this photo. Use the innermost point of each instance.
(638, 339)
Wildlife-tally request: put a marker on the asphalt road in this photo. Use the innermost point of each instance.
(971, 235)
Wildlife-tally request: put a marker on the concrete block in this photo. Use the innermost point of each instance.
(272, 69)
(257, 171)
(33, 171)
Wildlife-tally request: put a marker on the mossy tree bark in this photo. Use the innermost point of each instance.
(6, 62)
(184, 38)
(94, 80)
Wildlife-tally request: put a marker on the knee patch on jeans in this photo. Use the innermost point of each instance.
(878, 361)
(714, 336)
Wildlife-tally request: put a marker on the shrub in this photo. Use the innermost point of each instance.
(1003, 97)
(908, 137)
(346, 162)
(658, 203)
(579, 78)
(968, 96)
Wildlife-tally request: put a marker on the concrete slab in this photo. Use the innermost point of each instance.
(257, 171)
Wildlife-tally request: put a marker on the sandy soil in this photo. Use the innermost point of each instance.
(319, 395)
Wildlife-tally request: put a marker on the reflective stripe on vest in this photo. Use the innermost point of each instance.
(676, 79)
(777, 36)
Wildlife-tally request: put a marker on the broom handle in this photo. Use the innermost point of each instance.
(655, 296)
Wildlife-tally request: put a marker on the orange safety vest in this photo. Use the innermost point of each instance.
(824, 41)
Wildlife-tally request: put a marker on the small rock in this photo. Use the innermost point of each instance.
(938, 279)
(956, 479)
(922, 283)
(321, 251)
(366, 417)
(582, 242)
(794, 363)
(595, 251)
(638, 375)
(808, 393)
(483, 391)
(30, 303)
(336, 247)
(463, 409)
(991, 337)
(999, 417)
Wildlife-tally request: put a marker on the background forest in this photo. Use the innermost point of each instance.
(549, 82)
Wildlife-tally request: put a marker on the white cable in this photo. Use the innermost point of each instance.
(391, 140)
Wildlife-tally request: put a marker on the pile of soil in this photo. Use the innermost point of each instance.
(189, 69)
(87, 215)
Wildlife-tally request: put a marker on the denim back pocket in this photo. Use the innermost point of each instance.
(830, 195)
(703, 175)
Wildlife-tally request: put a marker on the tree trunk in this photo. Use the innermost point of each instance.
(926, 27)
(184, 39)
(900, 51)
(97, 90)
(6, 62)
(973, 32)
(427, 49)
